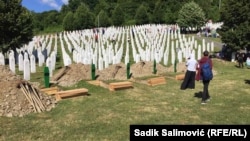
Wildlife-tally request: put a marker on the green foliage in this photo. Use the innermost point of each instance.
(15, 25)
(80, 17)
(158, 13)
(68, 23)
(236, 30)
(191, 15)
(118, 16)
(141, 15)
(101, 5)
(103, 20)
(52, 18)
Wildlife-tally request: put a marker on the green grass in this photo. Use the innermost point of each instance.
(105, 115)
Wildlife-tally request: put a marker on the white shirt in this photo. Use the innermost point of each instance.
(191, 64)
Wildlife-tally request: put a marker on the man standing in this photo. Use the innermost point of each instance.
(199, 76)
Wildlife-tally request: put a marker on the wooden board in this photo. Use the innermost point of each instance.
(156, 81)
(94, 82)
(70, 93)
(120, 85)
(50, 91)
(59, 74)
(180, 77)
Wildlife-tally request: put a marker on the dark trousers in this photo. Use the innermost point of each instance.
(205, 94)
(241, 65)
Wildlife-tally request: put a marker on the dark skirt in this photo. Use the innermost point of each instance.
(189, 80)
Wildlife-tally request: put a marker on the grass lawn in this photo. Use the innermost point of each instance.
(105, 115)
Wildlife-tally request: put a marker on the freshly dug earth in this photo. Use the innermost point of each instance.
(13, 102)
(12, 99)
(78, 72)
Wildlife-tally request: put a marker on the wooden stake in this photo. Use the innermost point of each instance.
(38, 99)
(38, 109)
(28, 98)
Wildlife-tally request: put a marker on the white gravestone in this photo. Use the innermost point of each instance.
(12, 62)
(32, 64)
(20, 62)
(2, 62)
(26, 69)
(49, 65)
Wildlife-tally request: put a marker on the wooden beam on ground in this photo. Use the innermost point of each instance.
(120, 85)
(70, 93)
(94, 82)
(58, 75)
(156, 81)
(50, 91)
(180, 77)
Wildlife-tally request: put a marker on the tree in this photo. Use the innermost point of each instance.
(141, 15)
(83, 18)
(158, 13)
(68, 21)
(15, 25)
(102, 19)
(118, 16)
(235, 30)
(191, 15)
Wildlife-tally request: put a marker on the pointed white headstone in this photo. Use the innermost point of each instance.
(20, 62)
(32, 64)
(12, 62)
(26, 69)
(2, 60)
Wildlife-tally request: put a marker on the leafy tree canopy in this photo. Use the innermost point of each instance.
(15, 25)
(235, 31)
(191, 15)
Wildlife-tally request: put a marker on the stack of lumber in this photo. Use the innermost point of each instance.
(120, 85)
(70, 93)
(33, 97)
(156, 81)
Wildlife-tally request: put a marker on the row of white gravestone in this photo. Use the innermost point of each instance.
(95, 56)
(155, 54)
(27, 63)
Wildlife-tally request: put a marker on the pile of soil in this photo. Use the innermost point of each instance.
(78, 72)
(12, 99)
(13, 102)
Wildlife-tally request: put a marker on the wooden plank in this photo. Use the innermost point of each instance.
(180, 77)
(50, 91)
(94, 82)
(58, 75)
(118, 85)
(156, 81)
(70, 93)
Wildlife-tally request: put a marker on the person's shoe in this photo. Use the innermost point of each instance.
(208, 100)
(203, 102)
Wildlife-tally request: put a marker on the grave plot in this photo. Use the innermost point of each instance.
(19, 100)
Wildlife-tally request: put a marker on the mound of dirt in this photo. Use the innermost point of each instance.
(78, 72)
(13, 102)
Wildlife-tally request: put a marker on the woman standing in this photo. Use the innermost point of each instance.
(199, 76)
(189, 79)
